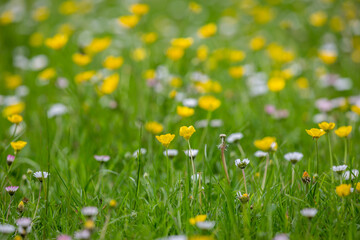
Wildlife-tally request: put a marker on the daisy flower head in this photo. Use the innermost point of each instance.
(242, 163)
(6, 228)
(63, 237)
(171, 153)
(205, 225)
(102, 158)
(11, 189)
(195, 177)
(41, 175)
(10, 159)
(83, 234)
(281, 236)
(234, 137)
(24, 225)
(244, 198)
(260, 154)
(89, 211)
(309, 212)
(339, 169)
(293, 157)
(142, 151)
(191, 153)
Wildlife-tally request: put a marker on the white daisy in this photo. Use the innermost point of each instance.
(41, 175)
(143, 151)
(206, 225)
(57, 109)
(353, 175)
(89, 211)
(171, 152)
(216, 123)
(234, 137)
(174, 237)
(242, 163)
(84, 234)
(293, 157)
(193, 153)
(309, 212)
(6, 228)
(339, 169)
(102, 158)
(260, 154)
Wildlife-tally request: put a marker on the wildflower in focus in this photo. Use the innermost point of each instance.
(209, 103)
(242, 163)
(154, 127)
(16, 118)
(244, 198)
(327, 126)
(184, 111)
(344, 131)
(266, 144)
(11, 189)
(129, 21)
(166, 139)
(41, 175)
(112, 62)
(56, 42)
(187, 132)
(306, 178)
(343, 190)
(18, 145)
(207, 30)
(10, 159)
(315, 133)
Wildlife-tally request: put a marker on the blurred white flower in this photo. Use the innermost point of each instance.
(234, 137)
(89, 211)
(206, 225)
(57, 109)
(6, 228)
(309, 212)
(339, 169)
(354, 174)
(260, 154)
(293, 157)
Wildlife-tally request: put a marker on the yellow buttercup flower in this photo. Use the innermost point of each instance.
(16, 118)
(166, 139)
(110, 84)
(182, 42)
(318, 19)
(149, 37)
(236, 55)
(209, 103)
(68, 7)
(195, 7)
(315, 132)
(175, 53)
(81, 59)
(207, 30)
(139, 9)
(14, 109)
(302, 83)
(202, 52)
(98, 45)
(357, 187)
(327, 56)
(36, 39)
(112, 203)
(236, 72)
(187, 132)
(198, 218)
(129, 21)
(276, 84)
(343, 190)
(176, 82)
(89, 224)
(56, 42)
(41, 14)
(343, 131)
(327, 126)
(355, 109)
(154, 127)
(266, 144)
(139, 54)
(17, 146)
(257, 43)
(6, 17)
(47, 74)
(184, 111)
(172, 94)
(13, 81)
(84, 76)
(112, 62)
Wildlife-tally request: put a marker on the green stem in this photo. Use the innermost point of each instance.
(243, 172)
(266, 167)
(346, 149)
(331, 157)
(317, 156)
(37, 205)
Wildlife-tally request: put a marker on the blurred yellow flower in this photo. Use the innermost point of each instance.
(81, 59)
(129, 21)
(343, 131)
(172, 94)
(343, 190)
(201, 237)
(154, 127)
(318, 19)
(149, 74)
(6, 17)
(109, 84)
(68, 7)
(328, 57)
(98, 45)
(327, 126)
(139, 9)
(166, 139)
(56, 42)
(139, 54)
(302, 83)
(355, 109)
(16, 118)
(18, 145)
(198, 218)
(357, 187)
(207, 30)
(184, 111)
(149, 37)
(262, 15)
(112, 203)
(236, 71)
(315, 132)
(175, 53)
(13, 81)
(84, 76)
(187, 132)
(266, 144)
(47, 74)
(36, 39)
(176, 82)
(13, 109)
(337, 24)
(66, 29)
(89, 224)
(41, 14)
(112, 62)
(195, 7)
(202, 52)
(276, 84)
(182, 42)
(209, 103)
(236, 55)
